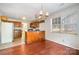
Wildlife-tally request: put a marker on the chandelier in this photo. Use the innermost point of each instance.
(42, 14)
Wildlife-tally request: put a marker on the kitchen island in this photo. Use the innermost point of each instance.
(34, 36)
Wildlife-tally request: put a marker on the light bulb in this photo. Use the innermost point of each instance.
(41, 12)
(47, 14)
(39, 17)
(23, 17)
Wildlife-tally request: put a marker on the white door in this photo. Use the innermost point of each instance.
(6, 32)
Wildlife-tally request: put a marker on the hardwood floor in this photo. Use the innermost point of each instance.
(40, 48)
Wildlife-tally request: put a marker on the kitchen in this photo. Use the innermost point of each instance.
(51, 26)
(13, 32)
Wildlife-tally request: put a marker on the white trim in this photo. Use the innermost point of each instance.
(51, 24)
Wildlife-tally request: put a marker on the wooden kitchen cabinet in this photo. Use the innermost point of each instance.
(17, 24)
(3, 18)
(34, 36)
(17, 34)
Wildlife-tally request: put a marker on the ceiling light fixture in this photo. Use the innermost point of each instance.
(43, 14)
(23, 17)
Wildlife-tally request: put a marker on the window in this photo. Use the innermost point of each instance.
(56, 24)
(63, 25)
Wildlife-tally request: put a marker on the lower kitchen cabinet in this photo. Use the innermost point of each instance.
(34, 36)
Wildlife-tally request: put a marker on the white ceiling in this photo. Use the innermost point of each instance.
(17, 10)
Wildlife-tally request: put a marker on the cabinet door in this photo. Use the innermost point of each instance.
(31, 37)
(41, 36)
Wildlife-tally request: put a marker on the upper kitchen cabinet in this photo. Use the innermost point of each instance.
(3, 18)
(35, 24)
(17, 24)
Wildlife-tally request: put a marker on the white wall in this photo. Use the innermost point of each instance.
(41, 26)
(68, 14)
